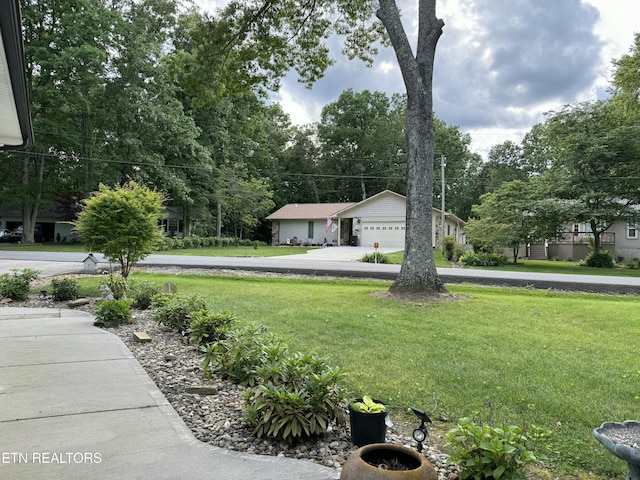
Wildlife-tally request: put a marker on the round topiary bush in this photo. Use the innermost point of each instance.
(601, 259)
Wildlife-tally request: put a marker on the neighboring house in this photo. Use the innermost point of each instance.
(378, 219)
(15, 117)
(54, 224)
(173, 224)
(622, 239)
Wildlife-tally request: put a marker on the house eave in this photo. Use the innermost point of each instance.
(16, 130)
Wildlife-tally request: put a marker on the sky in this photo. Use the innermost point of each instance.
(500, 64)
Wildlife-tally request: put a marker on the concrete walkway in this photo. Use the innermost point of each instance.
(76, 404)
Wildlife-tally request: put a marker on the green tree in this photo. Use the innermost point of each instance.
(253, 44)
(121, 223)
(515, 214)
(362, 144)
(626, 80)
(454, 147)
(594, 153)
(66, 46)
(301, 174)
(245, 201)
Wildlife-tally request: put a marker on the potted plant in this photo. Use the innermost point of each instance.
(486, 452)
(367, 419)
(384, 461)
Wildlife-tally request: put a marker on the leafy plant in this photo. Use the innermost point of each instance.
(492, 452)
(118, 286)
(299, 397)
(368, 405)
(114, 312)
(458, 251)
(142, 293)
(448, 243)
(601, 259)
(65, 289)
(17, 284)
(242, 353)
(207, 327)
(121, 223)
(375, 258)
(483, 259)
(633, 264)
(173, 310)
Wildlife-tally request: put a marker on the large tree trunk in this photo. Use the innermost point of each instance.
(31, 203)
(418, 275)
(597, 244)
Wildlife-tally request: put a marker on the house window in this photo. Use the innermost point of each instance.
(310, 232)
(576, 229)
(632, 230)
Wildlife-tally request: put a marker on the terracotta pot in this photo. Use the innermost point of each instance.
(362, 464)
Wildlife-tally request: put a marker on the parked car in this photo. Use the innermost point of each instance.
(16, 235)
(4, 235)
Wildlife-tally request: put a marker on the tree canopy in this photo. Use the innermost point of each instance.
(121, 223)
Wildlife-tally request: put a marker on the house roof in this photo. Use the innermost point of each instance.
(449, 215)
(16, 130)
(373, 198)
(300, 211)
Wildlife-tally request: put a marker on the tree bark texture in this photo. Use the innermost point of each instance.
(31, 204)
(418, 275)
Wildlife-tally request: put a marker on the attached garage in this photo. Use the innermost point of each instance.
(385, 233)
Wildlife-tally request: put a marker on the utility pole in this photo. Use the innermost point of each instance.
(443, 163)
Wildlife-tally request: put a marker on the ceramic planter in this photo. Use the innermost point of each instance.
(383, 461)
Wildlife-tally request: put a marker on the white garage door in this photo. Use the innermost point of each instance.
(387, 234)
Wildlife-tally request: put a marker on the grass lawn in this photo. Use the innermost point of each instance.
(564, 361)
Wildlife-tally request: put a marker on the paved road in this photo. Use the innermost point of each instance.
(334, 261)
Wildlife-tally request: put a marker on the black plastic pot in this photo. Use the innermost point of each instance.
(367, 428)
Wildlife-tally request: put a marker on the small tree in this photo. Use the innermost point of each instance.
(121, 223)
(515, 214)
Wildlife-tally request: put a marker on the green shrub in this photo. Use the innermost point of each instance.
(142, 293)
(118, 286)
(114, 312)
(458, 251)
(633, 264)
(482, 259)
(173, 310)
(207, 327)
(65, 289)
(492, 452)
(241, 353)
(375, 258)
(16, 285)
(601, 259)
(448, 243)
(188, 242)
(292, 396)
(299, 397)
